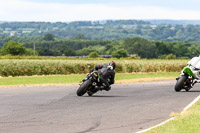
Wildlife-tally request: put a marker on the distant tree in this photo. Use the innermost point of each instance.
(13, 48)
(194, 51)
(170, 56)
(119, 53)
(49, 52)
(180, 50)
(30, 51)
(79, 37)
(93, 55)
(69, 52)
(140, 46)
(163, 48)
(113, 46)
(49, 37)
(84, 51)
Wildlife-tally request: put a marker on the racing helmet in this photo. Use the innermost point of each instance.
(113, 64)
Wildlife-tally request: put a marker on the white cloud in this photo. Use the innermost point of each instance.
(19, 10)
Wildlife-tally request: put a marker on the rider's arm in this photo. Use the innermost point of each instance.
(97, 67)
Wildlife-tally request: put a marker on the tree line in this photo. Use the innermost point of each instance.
(50, 45)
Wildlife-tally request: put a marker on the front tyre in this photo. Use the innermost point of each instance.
(180, 82)
(83, 88)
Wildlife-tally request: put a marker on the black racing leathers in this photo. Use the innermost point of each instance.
(107, 75)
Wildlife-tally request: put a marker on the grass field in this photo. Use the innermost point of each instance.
(186, 122)
(76, 78)
(29, 67)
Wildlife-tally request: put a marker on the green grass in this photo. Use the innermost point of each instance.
(54, 79)
(187, 122)
(76, 78)
(29, 67)
(146, 75)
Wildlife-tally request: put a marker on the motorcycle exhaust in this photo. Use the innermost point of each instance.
(94, 83)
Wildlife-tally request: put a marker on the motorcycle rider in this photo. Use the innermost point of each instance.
(107, 75)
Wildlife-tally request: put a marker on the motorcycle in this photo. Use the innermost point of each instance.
(90, 84)
(189, 76)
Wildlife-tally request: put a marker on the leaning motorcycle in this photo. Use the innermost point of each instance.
(90, 84)
(189, 76)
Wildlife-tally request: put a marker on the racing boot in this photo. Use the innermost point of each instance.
(103, 88)
(90, 93)
(99, 88)
(107, 88)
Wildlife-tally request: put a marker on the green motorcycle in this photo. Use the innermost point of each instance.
(189, 76)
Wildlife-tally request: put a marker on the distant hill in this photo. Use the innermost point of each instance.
(169, 21)
(2, 22)
(165, 30)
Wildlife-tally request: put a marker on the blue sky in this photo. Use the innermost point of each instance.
(78, 10)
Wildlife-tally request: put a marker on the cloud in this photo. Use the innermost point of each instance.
(19, 10)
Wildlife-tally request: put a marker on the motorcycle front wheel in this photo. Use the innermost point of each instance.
(180, 82)
(83, 88)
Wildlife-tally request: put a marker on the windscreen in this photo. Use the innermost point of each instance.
(195, 62)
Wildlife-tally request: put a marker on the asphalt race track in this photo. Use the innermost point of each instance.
(57, 109)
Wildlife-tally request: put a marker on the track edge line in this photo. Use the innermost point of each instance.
(188, 106)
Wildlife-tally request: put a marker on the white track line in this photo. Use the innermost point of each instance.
(195, 100)
(188, 106)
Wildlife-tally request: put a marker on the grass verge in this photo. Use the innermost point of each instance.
(186, 122)
(75, 79)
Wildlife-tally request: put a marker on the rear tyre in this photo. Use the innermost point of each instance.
(83, 88)
(180, 83)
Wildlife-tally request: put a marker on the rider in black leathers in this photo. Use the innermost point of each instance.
(107, 75)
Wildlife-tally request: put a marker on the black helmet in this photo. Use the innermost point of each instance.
(113, 64)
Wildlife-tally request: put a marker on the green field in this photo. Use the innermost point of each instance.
(77, 78)
(29, 67)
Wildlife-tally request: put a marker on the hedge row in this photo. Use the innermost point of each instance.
(52, 67)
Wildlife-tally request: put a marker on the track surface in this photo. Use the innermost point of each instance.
(57, 109)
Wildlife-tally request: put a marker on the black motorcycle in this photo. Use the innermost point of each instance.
(90, 84)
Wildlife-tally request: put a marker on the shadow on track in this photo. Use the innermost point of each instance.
(191, 91)
(108, 96)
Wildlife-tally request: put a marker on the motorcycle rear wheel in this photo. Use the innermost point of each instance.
(83, 88)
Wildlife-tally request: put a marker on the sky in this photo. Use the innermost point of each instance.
(94, 10)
